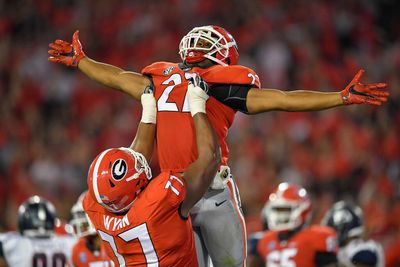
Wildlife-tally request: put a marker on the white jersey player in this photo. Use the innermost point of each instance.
(36, 245)
(354, 251)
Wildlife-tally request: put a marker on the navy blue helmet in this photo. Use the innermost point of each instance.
(36, 217)
(346, 219)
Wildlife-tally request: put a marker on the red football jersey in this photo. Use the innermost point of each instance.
(83, 257)
(152, 232)
(300, 250)
(176, 143)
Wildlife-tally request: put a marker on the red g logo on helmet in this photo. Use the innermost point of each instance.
(116, 177)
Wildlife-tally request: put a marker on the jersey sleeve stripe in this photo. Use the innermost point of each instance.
(95, 175)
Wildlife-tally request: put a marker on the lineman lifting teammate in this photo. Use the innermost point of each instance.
(211, 52)
(145, 223)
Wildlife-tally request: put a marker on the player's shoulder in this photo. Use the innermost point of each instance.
(12, 243)
(79, 246)
(165, 186)
(65, 239)
(159, 68)
(368, 252)
(157, 187)
(322, 238)
(12, 235)
(89, 204)
(232, 74)
(360, 245)
(268, 236)
(319, 231)
(6, 235)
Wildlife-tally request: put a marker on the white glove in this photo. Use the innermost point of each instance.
(221, 177)
(149, 112)
(197, 95)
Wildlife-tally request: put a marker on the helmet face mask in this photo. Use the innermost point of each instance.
(37, 218)
(80, 222)
(288, 208)
(116, 177)
(209, 42)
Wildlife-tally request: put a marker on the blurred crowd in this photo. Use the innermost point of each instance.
(54, 120)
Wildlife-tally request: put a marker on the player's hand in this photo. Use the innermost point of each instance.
(197, 94)
(149, 113)
(358, 93)
(196, 80)
(66, 53)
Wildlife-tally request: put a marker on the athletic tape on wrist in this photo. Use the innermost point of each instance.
(197, 99)
(149, 112)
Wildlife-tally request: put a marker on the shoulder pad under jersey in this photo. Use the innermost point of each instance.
(159, 68)
(235, 74)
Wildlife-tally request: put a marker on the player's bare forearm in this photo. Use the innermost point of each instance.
(144, 140)
(111, 76)
(300, 100)
(201, 172)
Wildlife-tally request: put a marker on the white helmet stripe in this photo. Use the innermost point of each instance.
(95, 175)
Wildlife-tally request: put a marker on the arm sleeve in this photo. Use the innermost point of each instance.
(232, 95)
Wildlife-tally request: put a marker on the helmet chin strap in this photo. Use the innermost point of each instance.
(203, 64)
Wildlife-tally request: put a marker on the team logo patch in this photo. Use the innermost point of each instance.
(168, 70)
(119, 169)
(82, 257)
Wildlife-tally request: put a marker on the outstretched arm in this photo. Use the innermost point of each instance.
(145, 134)
(200, 173)
(254, 100)
(72, 55)
(302, 100)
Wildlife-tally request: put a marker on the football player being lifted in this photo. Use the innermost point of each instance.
(354, 251)
(36, 244)
(212, 53)
(289, 240)
(89, 250)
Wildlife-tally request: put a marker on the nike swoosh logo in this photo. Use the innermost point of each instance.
(220, 203)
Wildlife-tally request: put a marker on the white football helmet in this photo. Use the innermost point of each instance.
(80, 221)
(220, 46)
(288, 208)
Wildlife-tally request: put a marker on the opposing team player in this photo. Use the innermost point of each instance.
(89, 250)
(289, 241)
(211, 52)
(354, 251)
(147, 223)
(36, 244)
